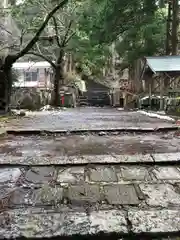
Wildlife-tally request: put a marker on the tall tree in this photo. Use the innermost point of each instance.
(55, 42)
(7, 61)
(137, 26)
(63, 37)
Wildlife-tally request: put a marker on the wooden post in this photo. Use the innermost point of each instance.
(150, 94)
(161, 93)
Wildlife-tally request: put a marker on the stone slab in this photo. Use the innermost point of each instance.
(78, 194)
(131, 173)
(40, 223)
(70, 175)
(166, 173)
(21, 196)
(155, 221)
(121, 195)
(40, 175)
(74, 160)
(102, 174)
(166, 157)
(84, 159)
(47, 196)
(163, 195)
(9, 175)
(134, 158)
(43, 223)
(109, 221)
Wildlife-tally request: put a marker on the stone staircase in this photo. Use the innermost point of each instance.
(83, 101)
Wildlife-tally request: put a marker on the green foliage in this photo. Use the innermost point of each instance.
(91, 58)
(136, 26)
(143, 40)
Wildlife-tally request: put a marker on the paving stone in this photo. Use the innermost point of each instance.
(134, 158)
(103, 174)
(21, 196)
(71, 175)
(39, 174)
(165, 157)
(9, 175)
(93, 159)
(77, 170)
(82, 193)
(166, 173)
(154, 221)
(134, 173)
(121, 194)
(160, 194)
(47, 195)
(110, 221)
(5, 195)
(45, 223)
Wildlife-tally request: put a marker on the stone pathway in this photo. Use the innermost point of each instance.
(56, 201)
(89, 184)
(90, 148)
(87, 119)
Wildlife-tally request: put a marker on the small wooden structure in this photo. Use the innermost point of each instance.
(160, 75)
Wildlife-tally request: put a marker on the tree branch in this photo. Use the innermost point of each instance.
(64, 42)
(38, 33)
(67, 40)
(56, 31)
(43, 57)
(4, 29)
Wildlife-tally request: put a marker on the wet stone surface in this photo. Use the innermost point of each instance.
(51, 203)
(47, 196)
(87, 118)
(88, 148)
(9, 175)
(160, 195)
(167, 158)
(134, 173)
(121, 194)
(135, 158)
(154, 221)
(167, 173)
(21, 196)
(71, 175)
(108, 221)
(78, 194)
(39, 175)
(103, 174)
(45, 224)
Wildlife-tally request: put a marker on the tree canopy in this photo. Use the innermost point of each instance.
(136, 26)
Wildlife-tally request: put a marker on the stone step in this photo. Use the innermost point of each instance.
(149, 159)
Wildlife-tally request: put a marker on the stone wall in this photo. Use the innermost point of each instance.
(30, 98)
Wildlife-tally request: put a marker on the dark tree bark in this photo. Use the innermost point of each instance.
(175, 22)
(168, 29)
(58, 78)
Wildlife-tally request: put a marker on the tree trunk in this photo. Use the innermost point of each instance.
(58, 81)
(168, 29)
(5, 87)
(175, 22)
